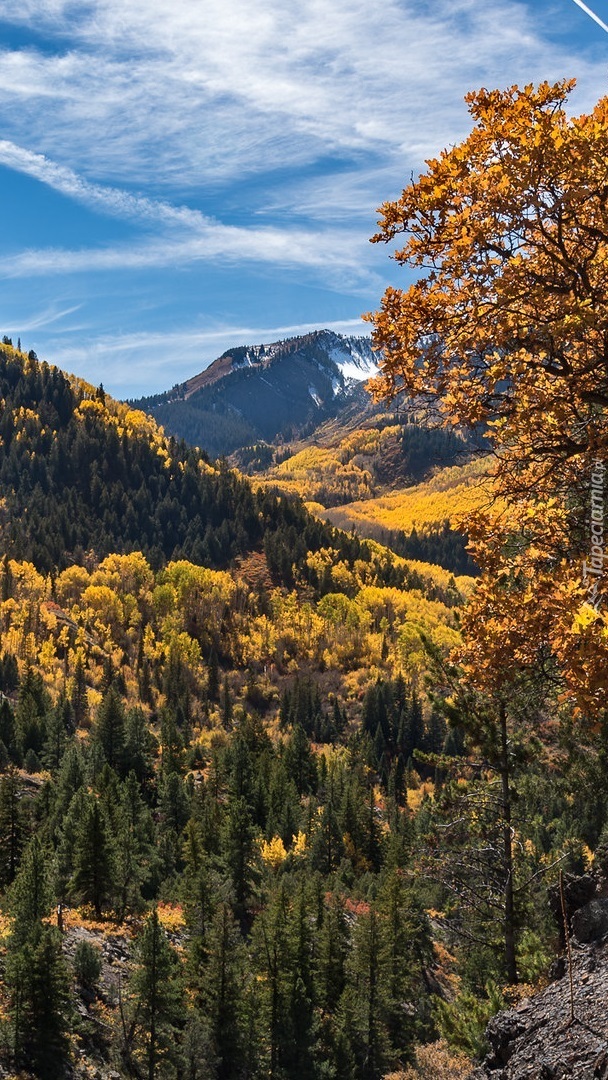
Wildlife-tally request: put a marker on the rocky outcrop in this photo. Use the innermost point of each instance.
(590, 923)
(538, 1039)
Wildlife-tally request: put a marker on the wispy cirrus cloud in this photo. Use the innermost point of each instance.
(242, 139)
(195, 91)
(329, 254)
(41, 318)
(186, 236)
(109, 200)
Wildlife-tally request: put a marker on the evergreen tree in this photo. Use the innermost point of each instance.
(157, 998)
(12, 825)
(297, 1052)
(139, 745)
(328, 845)
(406, 948)
(38, 983)
(283, 804)
(237, 851)
(10, 673)
(223, 991)
(300, 762)
(135, 857)
(30, 896)
(79, 698)
(94, 877)
(333, 948)
(8, 731)
(271, 951)
(110, 729)
(199, 892)
(363, 1015)
(56, 735)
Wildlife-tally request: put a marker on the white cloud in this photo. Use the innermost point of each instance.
(178, 92)
(116, 202)
(287, 125)
(329, 253)
(186, 235)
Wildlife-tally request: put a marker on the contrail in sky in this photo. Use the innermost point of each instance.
(591, 14)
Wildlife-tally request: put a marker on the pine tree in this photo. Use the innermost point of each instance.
(69, 780)
(79, 698)
(135, 856)
(298, 1045)
(94, 877)
(199, 893)
(38, 985)
(223, 990)
(8, 731)
(406, 948)
(139, 743)
(110, 729)
(328, 845)
(157, 996)
(283, 804)
(237, 851)
(56, 735)
(35, 971)
(12, 826)
(270, 948)
(30, 896)
(300, 762)
(363, 1015)
(332, 952)
(172, 760)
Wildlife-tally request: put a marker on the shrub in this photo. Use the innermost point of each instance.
(87, 963)
(435, 1062)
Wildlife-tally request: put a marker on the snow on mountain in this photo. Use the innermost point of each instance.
(354, 357)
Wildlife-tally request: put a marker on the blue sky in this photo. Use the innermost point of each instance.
(180, 176)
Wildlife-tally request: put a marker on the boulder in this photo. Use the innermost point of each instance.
(590, 923)
(537, 1040)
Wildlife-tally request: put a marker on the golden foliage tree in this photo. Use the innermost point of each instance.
(507, 326)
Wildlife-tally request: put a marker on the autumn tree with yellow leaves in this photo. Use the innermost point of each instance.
(507, 327)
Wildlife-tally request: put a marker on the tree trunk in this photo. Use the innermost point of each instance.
(509, 893)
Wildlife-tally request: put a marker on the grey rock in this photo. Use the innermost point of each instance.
(590, 923)
(536, 1039)
(501, 1033)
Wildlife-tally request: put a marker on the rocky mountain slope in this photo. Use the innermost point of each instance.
(269, 392)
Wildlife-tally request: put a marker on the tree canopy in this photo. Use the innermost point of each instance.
(507, 327)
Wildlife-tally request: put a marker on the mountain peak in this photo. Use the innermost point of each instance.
(268, 391)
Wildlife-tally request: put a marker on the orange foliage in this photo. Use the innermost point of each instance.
(508, 326)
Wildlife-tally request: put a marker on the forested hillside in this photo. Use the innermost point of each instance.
(204, 770)
(229, 782)
(380, 474)
(83, 475)
(422, 521)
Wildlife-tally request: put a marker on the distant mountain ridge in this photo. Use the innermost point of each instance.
(270, 391)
